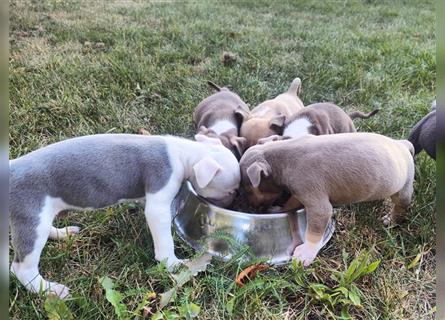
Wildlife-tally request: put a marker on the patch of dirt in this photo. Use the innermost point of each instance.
(228, 58)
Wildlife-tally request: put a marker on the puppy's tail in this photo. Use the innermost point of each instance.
(358, 114)
(295, 87)
(214, 86)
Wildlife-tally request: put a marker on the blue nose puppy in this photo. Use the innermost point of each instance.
(97, 171)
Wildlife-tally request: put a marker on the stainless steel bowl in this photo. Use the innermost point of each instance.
(268, 235)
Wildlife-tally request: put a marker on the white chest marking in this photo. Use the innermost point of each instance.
(298, 128)
(222, 126)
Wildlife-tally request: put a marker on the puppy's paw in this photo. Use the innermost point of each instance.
(305, 253)
(58, 289)
(393, 218)
(63, 233)
(387, 220)
(172, 263)
(72, 230)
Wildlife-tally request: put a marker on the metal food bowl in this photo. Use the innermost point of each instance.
(268, 235)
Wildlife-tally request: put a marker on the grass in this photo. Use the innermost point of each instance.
(84, 67)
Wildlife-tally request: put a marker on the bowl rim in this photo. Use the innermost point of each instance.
(239, 214)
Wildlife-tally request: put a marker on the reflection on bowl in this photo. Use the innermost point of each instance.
(267, 235)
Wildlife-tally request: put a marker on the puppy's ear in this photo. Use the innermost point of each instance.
(277, 123)
(254, 172)
(239, 143)
(205, 170)
(208, 140)
(241, 115)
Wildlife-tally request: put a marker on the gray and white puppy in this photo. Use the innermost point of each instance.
(97, 171)
(423, 135)
(220, 116)
(319, 119)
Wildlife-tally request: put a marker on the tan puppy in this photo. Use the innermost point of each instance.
(322, 171)
(269, 117)
(318, 119)
(220, 116)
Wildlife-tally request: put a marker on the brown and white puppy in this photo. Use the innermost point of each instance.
(269, 117)
(319, 119)
(327, 170)
(220, 116)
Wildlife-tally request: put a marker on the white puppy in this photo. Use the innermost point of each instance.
(97, 171)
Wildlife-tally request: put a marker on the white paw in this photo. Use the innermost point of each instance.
(305, 253)
(72, 230)
(63, 233)
(172, 262)
(387, 220)
(57, 289)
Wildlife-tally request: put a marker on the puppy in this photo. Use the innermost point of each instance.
(318, 119)
(269, 117)
(322, 171)
(220, 116)
(97, 171)
(423, 135)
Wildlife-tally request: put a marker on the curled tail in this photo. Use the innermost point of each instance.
(361, 115)
(214, 86)
(295, 87)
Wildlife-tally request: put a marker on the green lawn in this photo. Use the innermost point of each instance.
(84, 67)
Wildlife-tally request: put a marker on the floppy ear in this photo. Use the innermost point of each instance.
(241, 114)
(208, 140)
(239, 143)
(205, 170)
(254, 173)
(277, 123)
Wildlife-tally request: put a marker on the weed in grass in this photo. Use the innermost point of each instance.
(56, 309)
(345, 293)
